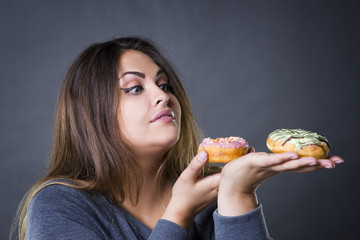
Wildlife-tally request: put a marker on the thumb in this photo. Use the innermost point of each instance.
(195, 166)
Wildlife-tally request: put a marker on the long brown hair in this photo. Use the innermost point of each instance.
(87, 149)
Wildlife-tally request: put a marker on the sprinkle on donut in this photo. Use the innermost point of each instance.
(223, 150)
(227, 142)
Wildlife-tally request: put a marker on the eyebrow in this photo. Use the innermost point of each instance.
(140, 74)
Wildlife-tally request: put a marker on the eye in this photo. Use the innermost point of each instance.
(135, 90)
(166, 87)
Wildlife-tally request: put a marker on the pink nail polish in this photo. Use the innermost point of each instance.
(311, 162)
(339, 161)
(202, 156)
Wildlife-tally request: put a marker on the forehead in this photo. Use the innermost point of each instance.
(133, 60)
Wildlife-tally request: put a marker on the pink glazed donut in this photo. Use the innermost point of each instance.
(223, 150)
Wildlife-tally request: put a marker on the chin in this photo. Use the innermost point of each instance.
(169, 139)
(166, 139)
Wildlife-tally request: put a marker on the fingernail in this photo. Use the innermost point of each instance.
(294, 157)
(339, 161)
(202, 156)
(330, 166)
(311, 162)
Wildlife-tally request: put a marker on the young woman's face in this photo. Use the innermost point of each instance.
(149, 114)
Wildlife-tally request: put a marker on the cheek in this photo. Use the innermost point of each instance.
(129, 117)
(176, 107)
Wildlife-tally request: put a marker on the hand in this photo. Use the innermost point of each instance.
(241, 177)
(192, 193)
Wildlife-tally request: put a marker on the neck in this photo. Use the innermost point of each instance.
(153, 197)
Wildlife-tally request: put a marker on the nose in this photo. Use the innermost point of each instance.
(160, 97)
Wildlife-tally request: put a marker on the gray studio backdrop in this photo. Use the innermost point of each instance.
(249, 67)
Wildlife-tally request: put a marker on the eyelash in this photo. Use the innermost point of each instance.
(166, 87)
(127, 90)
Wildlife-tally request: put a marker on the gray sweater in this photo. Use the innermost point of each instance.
(62, 212)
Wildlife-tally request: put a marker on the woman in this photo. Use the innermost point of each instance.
(120, 165)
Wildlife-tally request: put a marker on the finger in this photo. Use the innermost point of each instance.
(210, 183)
(279, 158)
(251, 150)
(305, 162)
(307, 169)
(320, 164)
(310, 164)
(297, 164)
(195, 166)
(336, 159)
(326, 163)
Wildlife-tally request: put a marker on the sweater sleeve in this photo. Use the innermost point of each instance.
(245, 227)
(167, 230)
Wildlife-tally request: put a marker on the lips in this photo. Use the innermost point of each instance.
(166, 116)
